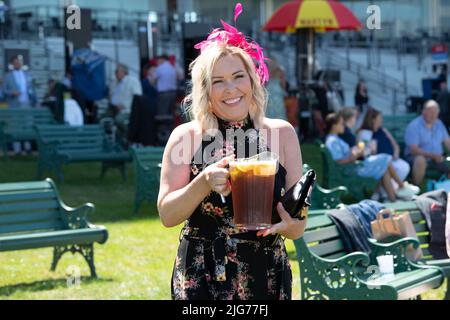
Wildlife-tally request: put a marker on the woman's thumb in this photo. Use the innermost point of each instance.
(224, 162)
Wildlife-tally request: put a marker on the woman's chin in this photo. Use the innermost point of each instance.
(233, 115)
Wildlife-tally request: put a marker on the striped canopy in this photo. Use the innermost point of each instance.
(320, 15)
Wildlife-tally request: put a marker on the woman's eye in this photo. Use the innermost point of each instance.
(217, 81)
(240, 76)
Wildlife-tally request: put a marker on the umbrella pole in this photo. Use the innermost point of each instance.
(301, 57)
(311, 53)
(305, 55)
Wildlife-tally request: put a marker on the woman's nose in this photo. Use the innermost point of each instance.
(229, 86)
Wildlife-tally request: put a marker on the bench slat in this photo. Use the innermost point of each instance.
(328, 248)
(28, 206)
(318, 222)
(403, 206)
(81, 147)
(25, 186)
(26, 195)
(424, 239)
(421, 227)
(322, 234)
(29, 217)
(36, 226)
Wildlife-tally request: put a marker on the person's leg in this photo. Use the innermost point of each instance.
(402, 168)
(418, 169)
(395, 176)
(387, 185)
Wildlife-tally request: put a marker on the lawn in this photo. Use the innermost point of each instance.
(136, 261)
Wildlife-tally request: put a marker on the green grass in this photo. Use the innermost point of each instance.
(136, 261)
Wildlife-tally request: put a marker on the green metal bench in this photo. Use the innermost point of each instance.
(63, 144)
(336, 175)
(424, 238)
(18, 125)
(147, 166)
(32, 215)
(327, 271)
(322, 198)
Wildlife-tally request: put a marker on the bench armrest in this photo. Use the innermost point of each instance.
(398, 249)
(403, 242)
(76, 218)
(349, 260)
(331, 276)
(327, 198)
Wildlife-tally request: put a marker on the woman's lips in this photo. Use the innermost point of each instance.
(232, 101)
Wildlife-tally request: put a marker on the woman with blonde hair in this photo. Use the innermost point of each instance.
(215, 259)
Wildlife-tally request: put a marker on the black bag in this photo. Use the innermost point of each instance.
(298, 196)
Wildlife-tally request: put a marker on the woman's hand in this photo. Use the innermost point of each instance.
(291, 228)
(217, 176)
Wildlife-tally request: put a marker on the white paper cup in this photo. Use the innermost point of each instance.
(386, 265)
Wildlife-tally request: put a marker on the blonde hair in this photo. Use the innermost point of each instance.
(197, 102)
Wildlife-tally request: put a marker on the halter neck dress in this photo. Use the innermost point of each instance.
(215, 260)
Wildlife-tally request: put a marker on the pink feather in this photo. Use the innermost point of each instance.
(237, 11)
(231, 36)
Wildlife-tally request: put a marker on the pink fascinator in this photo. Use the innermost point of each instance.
(231, 36)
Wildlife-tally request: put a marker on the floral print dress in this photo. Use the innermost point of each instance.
(215, 260)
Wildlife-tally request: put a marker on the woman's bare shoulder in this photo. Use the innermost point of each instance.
(286, 130)
(188, 129)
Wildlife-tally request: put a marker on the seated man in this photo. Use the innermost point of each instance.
(424, 138)
(122, 97)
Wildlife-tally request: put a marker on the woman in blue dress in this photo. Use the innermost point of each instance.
(374, 166)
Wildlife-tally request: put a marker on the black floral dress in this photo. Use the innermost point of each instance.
(215, 260)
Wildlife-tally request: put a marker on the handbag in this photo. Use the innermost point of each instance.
(390, 227)
(298, 197)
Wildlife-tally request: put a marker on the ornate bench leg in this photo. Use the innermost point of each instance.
(447, 293)
(57, 254)
(87, 251)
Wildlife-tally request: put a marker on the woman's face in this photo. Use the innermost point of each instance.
(339, 126)
(231, 89)
(377, 123)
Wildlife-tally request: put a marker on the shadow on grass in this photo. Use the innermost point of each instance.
(45, 285)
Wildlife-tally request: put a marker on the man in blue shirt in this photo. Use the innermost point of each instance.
(165, 79)
(424, 138)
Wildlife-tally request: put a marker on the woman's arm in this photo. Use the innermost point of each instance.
(178, 197)
(354, 155)
(394, 143)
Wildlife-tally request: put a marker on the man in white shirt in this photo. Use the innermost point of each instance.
(122, 96)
